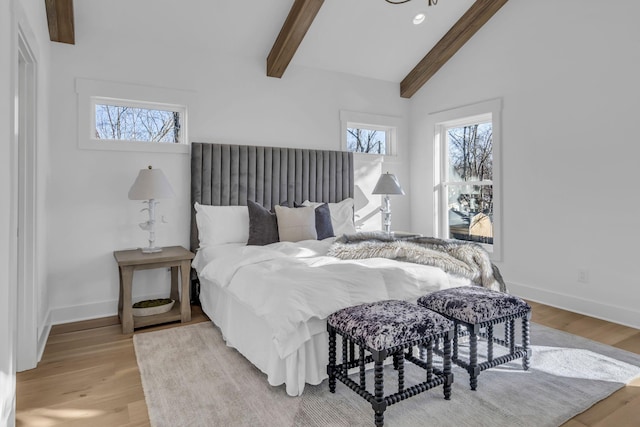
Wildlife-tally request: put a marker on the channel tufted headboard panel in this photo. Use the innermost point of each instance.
(223, 174)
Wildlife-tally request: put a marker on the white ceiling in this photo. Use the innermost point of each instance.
(370, 38)
(375, 39)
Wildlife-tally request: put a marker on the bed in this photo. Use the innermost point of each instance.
(271, 300)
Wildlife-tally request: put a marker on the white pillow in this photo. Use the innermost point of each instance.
(341, 216)
(296, 224)
(222, 224)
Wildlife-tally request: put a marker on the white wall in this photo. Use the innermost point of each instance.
(230, 100)
(7, 291)
(567, 72)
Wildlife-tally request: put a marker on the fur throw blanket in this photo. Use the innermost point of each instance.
(464, 259)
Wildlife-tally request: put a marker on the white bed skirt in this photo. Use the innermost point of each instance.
(244, 331)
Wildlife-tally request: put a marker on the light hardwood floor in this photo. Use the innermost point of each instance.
(89, 377)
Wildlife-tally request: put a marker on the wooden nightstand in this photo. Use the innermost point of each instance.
(175, 257)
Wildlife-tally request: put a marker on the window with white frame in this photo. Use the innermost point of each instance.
(364, 139)
(467, 189)
(124, 120)
(129, 117)
(369, 133)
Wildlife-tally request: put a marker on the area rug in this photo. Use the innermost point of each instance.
(191, 378)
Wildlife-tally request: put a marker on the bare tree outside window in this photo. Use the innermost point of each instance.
(366, 141)
(471, 152)
(469, 182)
(118, 122)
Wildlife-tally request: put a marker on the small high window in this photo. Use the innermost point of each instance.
(369, 133)
(362, 140)
(131, 117)
(129, 123)
(123, 120)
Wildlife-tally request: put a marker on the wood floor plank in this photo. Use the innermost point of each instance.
(631, 344)
(615, 403)
(138, 413)
(84, 325)
(573, 423)
(91, 377)
(625, 416)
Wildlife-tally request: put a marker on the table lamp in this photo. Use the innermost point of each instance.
(151, 184)
(387, 184)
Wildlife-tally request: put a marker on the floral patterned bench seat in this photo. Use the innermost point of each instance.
(479, 309)
(389, 328)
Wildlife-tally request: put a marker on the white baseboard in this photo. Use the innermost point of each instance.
(78, 313)
(608, 312)
(44, 335)
(96, 310)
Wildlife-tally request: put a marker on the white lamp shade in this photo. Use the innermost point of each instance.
(388, 184)
(151, 184)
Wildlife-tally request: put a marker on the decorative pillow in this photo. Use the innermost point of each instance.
(296, 224)
(324, 228)
(263, 225)
(341, 216)
(222, 224)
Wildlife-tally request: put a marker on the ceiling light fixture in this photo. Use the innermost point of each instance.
(431, 2)
(419, 18)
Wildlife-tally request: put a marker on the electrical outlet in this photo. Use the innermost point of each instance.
(583, 276)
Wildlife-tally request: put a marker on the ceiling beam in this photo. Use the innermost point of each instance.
(300, 18)
(472, 20)
(60, 20)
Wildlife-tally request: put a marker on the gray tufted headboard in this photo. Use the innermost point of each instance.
(224, 175)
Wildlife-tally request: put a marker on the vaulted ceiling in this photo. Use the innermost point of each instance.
(369, 38)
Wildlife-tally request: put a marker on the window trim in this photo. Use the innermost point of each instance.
(91, 92)
(388, 124)
(457, 117)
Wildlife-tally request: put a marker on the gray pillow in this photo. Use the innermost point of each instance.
(324, 228)
(263, 225)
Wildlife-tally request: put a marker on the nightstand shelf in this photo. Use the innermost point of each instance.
(170, 316)
(178, 259)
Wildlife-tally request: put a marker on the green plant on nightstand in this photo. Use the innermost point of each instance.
(152, 303)
(152, 306)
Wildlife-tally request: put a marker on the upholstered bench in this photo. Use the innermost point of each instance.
(388, 328)
(479, 309)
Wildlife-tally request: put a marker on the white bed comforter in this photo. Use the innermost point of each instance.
(287, 284)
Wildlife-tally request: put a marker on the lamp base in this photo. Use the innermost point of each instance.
(151, 250)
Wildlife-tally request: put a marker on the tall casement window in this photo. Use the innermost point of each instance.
(467, 189)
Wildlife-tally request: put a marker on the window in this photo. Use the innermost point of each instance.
(128, 117)
(362, 140)
(369, 133)
(466, 174)
(468, 181)
(122, 120)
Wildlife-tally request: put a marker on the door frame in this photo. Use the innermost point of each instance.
(25, 188)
